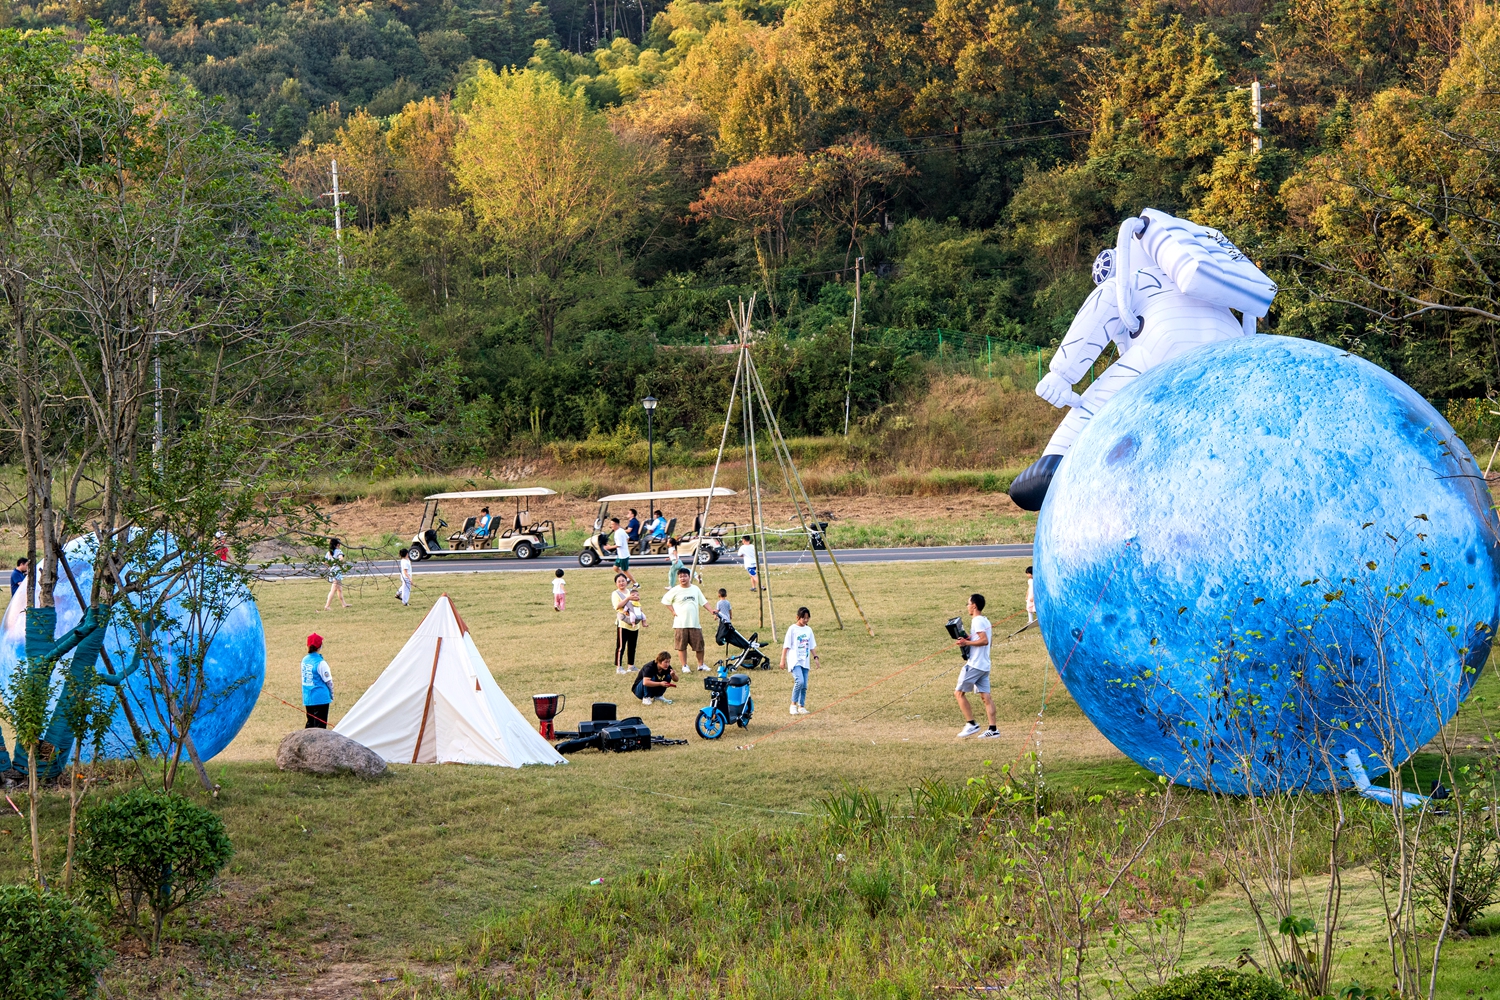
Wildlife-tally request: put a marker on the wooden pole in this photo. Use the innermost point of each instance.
(831, 557)
(778, 444)
(427, 705)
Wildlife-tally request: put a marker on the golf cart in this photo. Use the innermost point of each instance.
(520, 534)
(708, 545)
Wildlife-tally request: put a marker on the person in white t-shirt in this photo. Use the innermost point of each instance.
(746, 552)
(620, 542)
(976, 672)
(559, 592)
(687, 603)
(798, 650)
(404, 594)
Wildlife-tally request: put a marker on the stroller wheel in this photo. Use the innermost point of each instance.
(710, 723)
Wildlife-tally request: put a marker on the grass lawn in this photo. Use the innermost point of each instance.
(338, 883)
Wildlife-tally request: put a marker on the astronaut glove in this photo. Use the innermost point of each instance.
(1057, 390)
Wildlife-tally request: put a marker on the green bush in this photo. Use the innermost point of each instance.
(49, 948)
(1216, 983)
(151, 848)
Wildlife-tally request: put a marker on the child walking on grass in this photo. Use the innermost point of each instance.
(559, 592)
(798, 649)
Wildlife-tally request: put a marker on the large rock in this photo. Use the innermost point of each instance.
(323, 751)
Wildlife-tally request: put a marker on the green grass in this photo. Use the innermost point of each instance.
(435, 868)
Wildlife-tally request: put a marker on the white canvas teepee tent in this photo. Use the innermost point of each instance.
(438, 704)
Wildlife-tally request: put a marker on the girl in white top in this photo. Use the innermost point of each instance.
(798, 650)
(404, 594)
(559, 592)
(335, 561)
(628, 621)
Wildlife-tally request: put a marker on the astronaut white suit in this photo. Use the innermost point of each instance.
(1142, 303)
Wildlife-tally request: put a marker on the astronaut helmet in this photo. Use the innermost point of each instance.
(1104, 266)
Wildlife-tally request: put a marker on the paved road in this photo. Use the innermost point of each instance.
(505, 564)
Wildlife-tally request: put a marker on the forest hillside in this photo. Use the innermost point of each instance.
(566, 194)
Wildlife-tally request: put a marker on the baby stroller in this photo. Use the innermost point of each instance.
(729, 701)
(750, 656)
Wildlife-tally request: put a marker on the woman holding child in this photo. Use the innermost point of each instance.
(628, 621)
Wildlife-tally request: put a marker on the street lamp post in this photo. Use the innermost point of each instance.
(649, 403)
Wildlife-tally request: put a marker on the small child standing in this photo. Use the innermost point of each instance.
(724, 613)
(404, 594)
(559, 592)
(746, 552)
(798, 649)
(1030, 597)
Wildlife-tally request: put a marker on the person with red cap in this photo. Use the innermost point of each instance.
(317, 684)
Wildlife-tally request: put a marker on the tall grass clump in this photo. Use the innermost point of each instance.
(878, 897)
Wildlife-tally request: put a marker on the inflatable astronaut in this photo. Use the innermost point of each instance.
(1167, 287)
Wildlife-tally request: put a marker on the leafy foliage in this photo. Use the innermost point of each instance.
(49, 948)
(153, 849)
(1218, 984)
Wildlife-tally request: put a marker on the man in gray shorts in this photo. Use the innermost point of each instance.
(976, 674)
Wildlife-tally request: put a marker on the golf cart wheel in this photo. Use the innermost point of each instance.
(710, 723)
(416, 553)
(588, 558)
(713, 556)
(524, 550)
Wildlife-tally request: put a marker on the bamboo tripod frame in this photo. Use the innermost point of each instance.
(749, 392)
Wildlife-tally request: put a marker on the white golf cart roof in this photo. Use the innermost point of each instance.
(524, 491)
(717, 491)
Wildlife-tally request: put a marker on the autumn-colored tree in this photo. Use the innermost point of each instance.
(551, 182)
(359, 147)
(421, 141)
(850, 182)
(761, 198)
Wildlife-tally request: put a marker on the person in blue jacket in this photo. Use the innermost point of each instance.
(317, 684)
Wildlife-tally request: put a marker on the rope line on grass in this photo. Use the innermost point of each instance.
(941, 672)
(690, 798)
(851, 694)
(875, 683)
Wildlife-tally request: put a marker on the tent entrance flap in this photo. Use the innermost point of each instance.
(416, 751)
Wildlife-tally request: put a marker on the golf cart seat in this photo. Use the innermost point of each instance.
(467, 533)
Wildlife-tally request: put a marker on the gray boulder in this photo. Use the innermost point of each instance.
(323, 751)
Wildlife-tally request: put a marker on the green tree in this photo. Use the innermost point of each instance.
(549, 179)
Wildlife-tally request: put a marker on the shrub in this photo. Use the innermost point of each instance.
(49, 948)
(1216, 983)
(151, 848)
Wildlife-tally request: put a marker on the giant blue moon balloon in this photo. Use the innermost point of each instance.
(234, 669)
(1262, 554)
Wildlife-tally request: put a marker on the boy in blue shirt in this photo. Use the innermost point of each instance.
(317, 684)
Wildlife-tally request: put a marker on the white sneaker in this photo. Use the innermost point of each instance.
(702, 667)
(990, 734)
(969, 729)
(645, 701)
(802, 710)
(668, 701)
(623, 670)
(793, 710)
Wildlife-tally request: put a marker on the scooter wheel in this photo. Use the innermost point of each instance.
(710, 723)
(747, 711)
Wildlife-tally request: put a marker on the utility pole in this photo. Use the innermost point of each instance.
(1255, 107)
(853, 324)
(338, 218)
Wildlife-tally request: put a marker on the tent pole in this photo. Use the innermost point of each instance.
(778, 446)
(723, 438)
(427, 705)
(831, 557)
